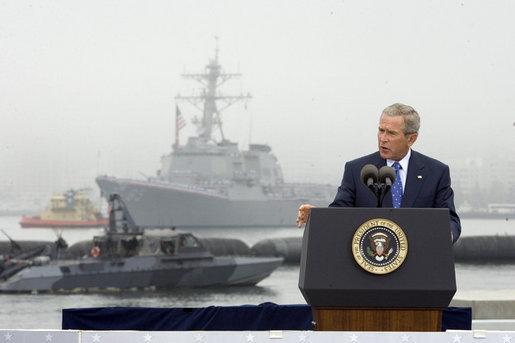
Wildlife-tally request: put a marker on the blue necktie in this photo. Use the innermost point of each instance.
(397, 186)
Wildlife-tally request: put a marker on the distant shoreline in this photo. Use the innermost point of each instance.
(464, 215)
(486, 215)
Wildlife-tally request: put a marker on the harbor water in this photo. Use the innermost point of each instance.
(43, 311)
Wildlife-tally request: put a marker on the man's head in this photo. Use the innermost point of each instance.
(398, 130)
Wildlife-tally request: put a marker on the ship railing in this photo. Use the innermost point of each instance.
(183, 186)
(306, 185)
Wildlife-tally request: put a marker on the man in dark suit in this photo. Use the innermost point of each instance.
(423, 181)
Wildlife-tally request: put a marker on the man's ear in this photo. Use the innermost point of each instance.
(412, 138)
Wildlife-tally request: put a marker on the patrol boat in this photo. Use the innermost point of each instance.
(129, 256)
(210, 181)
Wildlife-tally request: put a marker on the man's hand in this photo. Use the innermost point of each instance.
(302, 216)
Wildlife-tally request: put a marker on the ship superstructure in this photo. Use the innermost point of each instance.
(212, 182)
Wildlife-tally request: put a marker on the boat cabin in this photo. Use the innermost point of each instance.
(150, 243)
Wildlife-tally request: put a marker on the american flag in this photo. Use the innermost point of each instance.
(179, 124)
(179, 120)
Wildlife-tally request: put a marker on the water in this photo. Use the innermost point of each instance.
(43, 311)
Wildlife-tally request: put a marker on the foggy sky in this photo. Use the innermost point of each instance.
(87, 87)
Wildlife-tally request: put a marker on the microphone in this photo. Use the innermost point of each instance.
(387, 177)
(369, 176)
(378, 181)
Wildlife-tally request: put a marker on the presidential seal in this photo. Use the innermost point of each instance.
(379, 246)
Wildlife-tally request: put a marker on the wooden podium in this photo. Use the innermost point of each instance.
(346, 293)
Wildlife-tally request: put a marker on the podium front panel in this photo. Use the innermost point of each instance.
(331, 277)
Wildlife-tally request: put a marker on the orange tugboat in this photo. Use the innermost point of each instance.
(72, 209)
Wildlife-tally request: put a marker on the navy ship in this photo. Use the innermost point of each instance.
(211, 182)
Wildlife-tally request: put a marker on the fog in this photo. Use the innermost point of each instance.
(87, 87)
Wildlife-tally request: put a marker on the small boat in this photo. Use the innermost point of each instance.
(72, 209)
(128, 256)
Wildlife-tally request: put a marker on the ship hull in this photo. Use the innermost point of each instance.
(160, 204)
(142, 272)
(37, 222)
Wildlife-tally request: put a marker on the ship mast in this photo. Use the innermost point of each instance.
(206, 102)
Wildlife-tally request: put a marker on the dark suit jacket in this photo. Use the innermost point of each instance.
(428, 184)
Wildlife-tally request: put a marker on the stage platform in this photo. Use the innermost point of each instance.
(276, 336)
(266, 316)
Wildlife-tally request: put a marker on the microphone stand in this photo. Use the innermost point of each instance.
(379, 191)
(383, 189)
(378, 188)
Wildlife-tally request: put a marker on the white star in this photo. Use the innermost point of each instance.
(456, 339)
(250, 337)
(405, 338)
(147, 337)
(302, 337)
(506, 339)
(199, 338)
(354, 338)
(8, 336)
(48, 337)
(96, 337)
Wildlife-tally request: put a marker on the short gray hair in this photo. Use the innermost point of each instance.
(411, 117)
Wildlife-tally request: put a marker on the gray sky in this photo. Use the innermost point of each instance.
(87, 87)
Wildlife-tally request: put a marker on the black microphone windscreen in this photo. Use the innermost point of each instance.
(387, 173)
(369, 171)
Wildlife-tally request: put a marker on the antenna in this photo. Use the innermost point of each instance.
(210, 97)
(216, 49)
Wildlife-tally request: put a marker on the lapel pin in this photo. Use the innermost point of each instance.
(419, 176)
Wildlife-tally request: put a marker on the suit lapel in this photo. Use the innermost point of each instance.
(378, 161)
(414, 180)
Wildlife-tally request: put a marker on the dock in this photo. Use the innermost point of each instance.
(491, 309)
